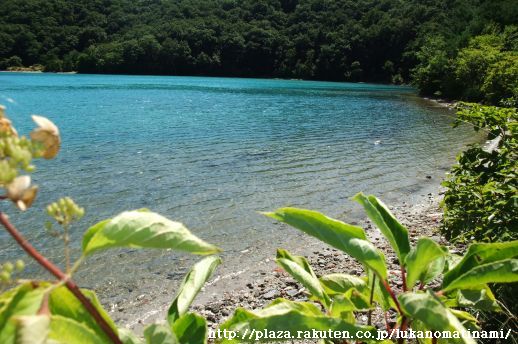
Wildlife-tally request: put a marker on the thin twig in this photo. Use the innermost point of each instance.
(54, 270)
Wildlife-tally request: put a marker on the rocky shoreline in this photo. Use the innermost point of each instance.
(420, 219)
(259, 285)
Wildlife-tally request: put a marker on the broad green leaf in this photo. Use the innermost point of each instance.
(303, 262)
(159, 334)
(395, 232)
(425, 308)
(435, 268)
(503, 271)
(481, 253)
(482, 299)
(190, 328)
(26, 301)
(32, 329)
(342, 307)
(420, 262)
(190, 286)
(287, 316)
(128, 337)
(63, 303)
(298, 269)
(143, 229)
(340, 283)
(359, 300)
(68, 331)
(350, 239)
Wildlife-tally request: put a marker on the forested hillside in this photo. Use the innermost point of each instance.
(352, 40)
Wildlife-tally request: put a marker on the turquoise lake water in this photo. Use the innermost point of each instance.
(210, 152)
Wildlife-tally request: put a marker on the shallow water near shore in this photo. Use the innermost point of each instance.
(211, 152)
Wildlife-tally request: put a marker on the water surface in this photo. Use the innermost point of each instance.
(210, 152)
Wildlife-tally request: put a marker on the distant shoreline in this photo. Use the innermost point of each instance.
(29, 70)
(33, 71)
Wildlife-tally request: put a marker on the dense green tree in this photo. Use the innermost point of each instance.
(366, 40)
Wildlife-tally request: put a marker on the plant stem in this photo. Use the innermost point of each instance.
(54, 270)
(369, 316)
(403, 327)
(392, 295)
(387, 326)
(66, 242)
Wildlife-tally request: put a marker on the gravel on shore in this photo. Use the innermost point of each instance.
(253, 291)
(253, 286)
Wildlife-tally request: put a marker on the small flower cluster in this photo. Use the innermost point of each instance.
(65, 211)
(8, 268)
(16, 153)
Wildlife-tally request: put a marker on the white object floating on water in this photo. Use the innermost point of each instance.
(377, 142)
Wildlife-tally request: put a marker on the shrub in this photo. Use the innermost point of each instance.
(481, 201)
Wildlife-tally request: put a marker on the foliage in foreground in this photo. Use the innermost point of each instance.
(481, 202)
(438, 286)
(39, 312)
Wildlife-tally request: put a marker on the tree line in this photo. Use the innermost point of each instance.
(391, 41)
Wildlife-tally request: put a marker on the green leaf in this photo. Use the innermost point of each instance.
(425, 308)
(381, 295)
(26, 301)
(190, 286)
(420, 262)
(287, 316)
(303, 262)
(467, 320)
(350, 239)
(7, 296)
(395, 232)
(481, 253)
(299, 269)
(63, 303)
(128, 337)
(342, 307)
(359, 300)
(191, 328)
(68, 331)
(143, 229)
(482, 299)
(32, 329)
(159, 334)
(341, 283)
(503, 271)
